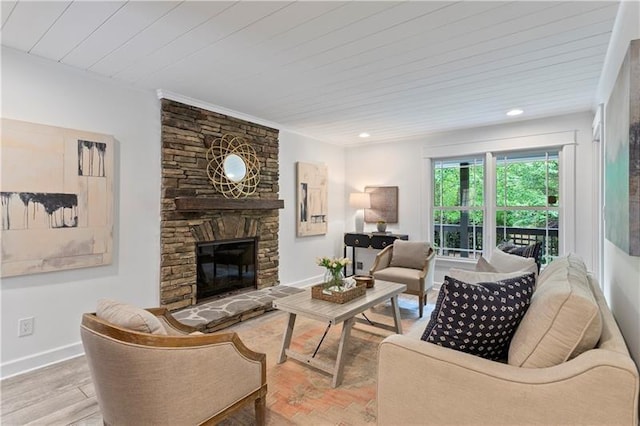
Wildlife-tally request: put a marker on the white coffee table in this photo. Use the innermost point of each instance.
(333, 314)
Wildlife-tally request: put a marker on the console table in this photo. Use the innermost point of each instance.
(374, 240)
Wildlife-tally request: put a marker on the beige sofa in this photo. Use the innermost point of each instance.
(423, 383)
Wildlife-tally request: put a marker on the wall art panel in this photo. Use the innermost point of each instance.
(384, 204)
(622, 157)
(312, 199)
(56, 193)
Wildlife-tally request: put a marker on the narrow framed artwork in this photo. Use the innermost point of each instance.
(384, 204)
(311, 184)
(622, 156)
(57, 198)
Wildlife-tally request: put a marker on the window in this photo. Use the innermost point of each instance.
(527, 207)
(522, 202)
(458, 207)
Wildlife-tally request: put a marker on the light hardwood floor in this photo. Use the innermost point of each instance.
(61, 394)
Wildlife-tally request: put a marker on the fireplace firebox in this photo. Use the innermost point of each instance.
(225, 266)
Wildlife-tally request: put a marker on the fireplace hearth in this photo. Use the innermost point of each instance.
(225, 266)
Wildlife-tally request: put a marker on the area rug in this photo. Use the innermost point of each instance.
(301, 395)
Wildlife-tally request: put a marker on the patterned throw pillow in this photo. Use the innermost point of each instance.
(479, 319)
(533, 250)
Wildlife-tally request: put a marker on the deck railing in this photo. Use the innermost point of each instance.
(473, 249)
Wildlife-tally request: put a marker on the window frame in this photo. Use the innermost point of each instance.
(460, 207)
(536, 153)
(564, 142)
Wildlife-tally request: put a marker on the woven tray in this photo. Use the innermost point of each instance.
(338, 296)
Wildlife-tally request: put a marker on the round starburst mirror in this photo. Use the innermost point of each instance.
(233, 167)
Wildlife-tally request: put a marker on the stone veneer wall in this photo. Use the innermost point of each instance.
(187, 133)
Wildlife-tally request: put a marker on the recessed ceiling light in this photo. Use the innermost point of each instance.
(514, 112)
(364, 135)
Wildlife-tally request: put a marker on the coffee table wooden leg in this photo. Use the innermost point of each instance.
(286, 340)
(342, 348)
(396, 314)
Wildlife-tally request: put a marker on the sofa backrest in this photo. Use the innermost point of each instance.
(410, 254)
(563, 320)
(611, 338)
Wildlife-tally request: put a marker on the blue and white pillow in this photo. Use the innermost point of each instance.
(479, 319)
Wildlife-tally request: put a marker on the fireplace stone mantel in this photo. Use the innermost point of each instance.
(198, 204)
(193, 211)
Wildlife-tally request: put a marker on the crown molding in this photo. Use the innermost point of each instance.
(165, 94)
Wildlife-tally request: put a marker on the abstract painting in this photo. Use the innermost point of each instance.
(312, 199)
(56, 194)
(384, 204)
(622, 156)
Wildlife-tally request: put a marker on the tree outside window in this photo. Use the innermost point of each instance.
(527, 200)
(458, 210)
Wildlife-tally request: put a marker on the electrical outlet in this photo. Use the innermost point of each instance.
(359, 265)
(25, 327)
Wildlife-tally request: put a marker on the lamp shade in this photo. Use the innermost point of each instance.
(360, 200)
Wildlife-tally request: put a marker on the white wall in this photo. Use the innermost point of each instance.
(621, 271)
(391, 164)
(45, 92)
(400, 164)
(298, 254)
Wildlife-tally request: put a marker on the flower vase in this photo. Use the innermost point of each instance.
(333, 280)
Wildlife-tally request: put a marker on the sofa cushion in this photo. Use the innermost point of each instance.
(416, 330)
(505, 262)
(474, 277)
(558, 268)
(409, 254)
(129, 317)
(563, 320)
(482, 265)
(408, 276)
(479, 319)
(533, 251)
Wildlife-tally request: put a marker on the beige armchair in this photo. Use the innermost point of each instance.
(173, 378)
(407, 262)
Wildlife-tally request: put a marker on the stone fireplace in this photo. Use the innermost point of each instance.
(195, 215)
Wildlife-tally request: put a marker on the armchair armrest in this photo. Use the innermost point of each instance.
(173, 326)
(383, 259)
(597, 387)
(429, 268)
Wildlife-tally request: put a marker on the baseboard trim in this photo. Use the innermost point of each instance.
(308, 282)
(40, 360)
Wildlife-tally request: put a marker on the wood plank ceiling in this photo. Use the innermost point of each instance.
(332, 70)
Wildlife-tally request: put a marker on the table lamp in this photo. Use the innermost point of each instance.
(360, 201)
